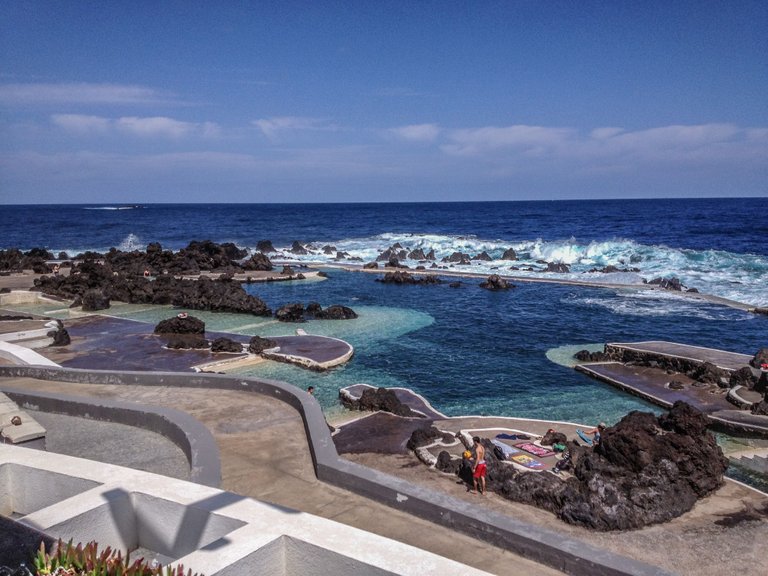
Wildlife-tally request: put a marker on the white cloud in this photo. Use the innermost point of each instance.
(157, 126)
(478, 141)
(79, 93)
(272, 127)
(81, 123)
(665, 144)
(417, 132)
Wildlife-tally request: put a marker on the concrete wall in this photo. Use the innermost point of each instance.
(209, 531)
(546, 546)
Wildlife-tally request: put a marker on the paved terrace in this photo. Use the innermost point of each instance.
(652, 383)
(265, 455)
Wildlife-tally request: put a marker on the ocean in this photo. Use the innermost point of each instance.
(467, 350)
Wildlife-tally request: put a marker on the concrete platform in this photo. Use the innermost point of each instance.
(720, 358)
(652, 384)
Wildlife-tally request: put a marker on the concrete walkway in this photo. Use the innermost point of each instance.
(264, 455)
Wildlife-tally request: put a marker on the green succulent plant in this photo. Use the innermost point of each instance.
(87, 560)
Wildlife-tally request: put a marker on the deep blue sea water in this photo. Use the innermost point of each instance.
(469, 351)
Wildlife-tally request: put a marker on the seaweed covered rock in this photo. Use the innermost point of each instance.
(646, 470)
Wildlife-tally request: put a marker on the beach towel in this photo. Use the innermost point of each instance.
(583, 436)
(535, 450)
(505, 436)
(506, 450)
(527, 461)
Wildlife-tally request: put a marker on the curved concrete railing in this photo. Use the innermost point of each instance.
(192, 437)
(546, 546)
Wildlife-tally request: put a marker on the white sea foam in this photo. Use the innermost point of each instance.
(657, 304)
(740, 277)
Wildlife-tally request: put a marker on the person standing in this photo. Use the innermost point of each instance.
(479, 469)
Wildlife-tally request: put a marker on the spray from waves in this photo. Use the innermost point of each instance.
(131, 243)
(740, 277)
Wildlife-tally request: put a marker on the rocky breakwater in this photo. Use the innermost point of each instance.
(133, 278)
(646, 470)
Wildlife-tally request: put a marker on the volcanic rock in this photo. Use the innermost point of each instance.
(509, 254)
(484, 256)
(553, 437)
(496, 282)
(667, 283)
(587, 356)
(708, 373)
(458, 258)
(383, 399)
(187, 342)
(60, 337)
(646, 470)
(265, 246)
(557, 267)
(297, 248)
(181, 324)
(290, 313)
(226, 345)
(258, 261)
(423, 437)
(743, 377)
(430, 255)
(400, 277)
(335, 312)
(95, 299)
(446, 463)
(371, 266)
(417, 254)
(258, 344)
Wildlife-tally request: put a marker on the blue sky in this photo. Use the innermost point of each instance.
(108, 101)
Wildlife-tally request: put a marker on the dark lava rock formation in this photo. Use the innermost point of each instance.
(258, 344)
(399, 277)
(298, 313)
(99, 278)
(496, 282)
(375, 399)
(180, 325)
(646, 470)
(226, 345)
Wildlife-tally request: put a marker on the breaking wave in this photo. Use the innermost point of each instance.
(740, 277)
